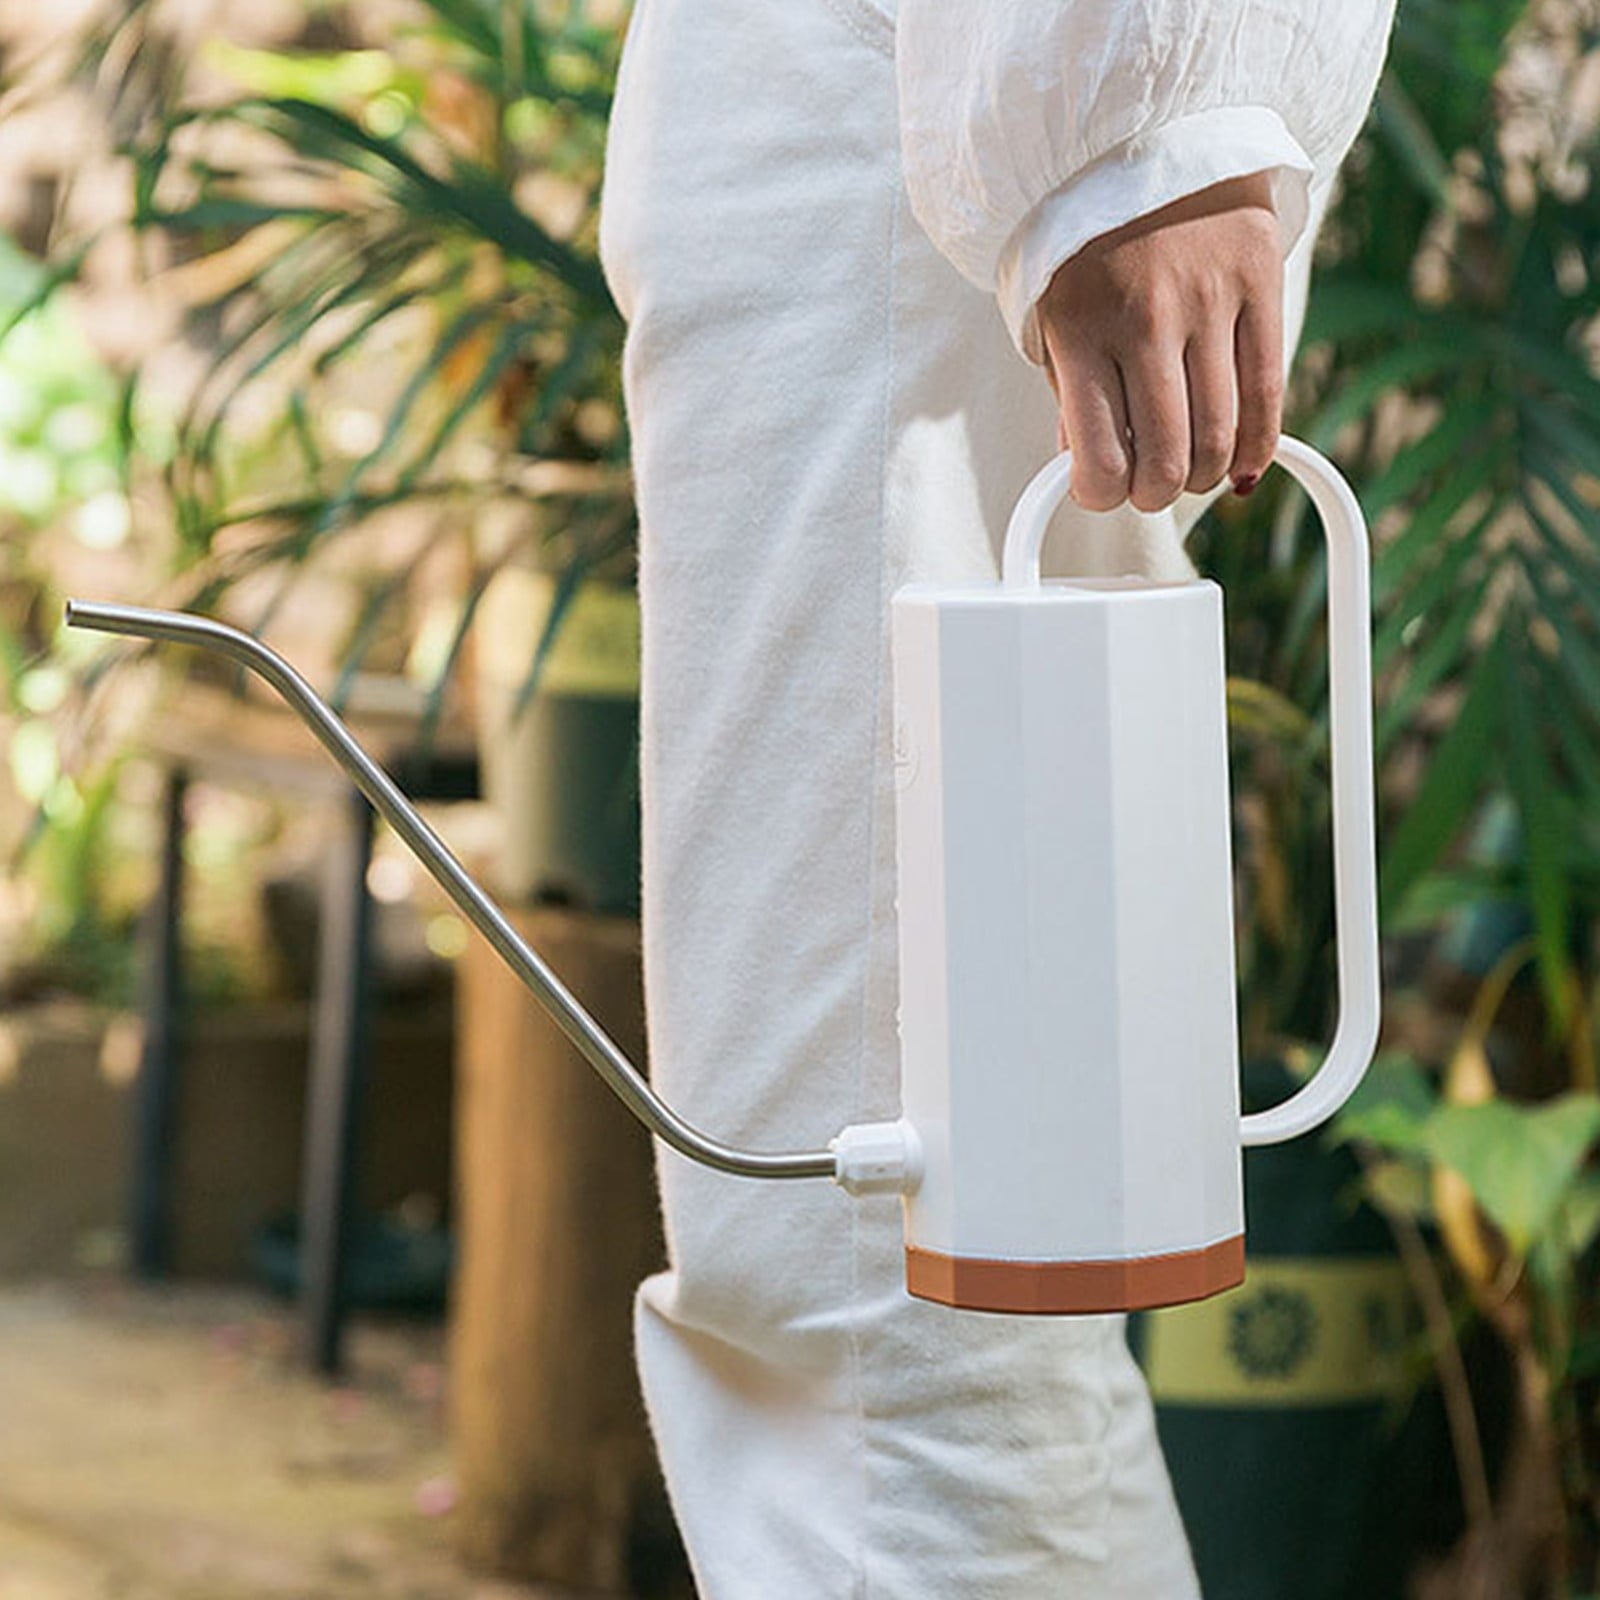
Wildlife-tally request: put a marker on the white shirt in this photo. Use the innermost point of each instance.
(1030, 127)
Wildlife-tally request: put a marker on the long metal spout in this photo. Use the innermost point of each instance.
(587, 1036)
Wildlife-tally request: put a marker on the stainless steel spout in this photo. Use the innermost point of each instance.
(587, 1036)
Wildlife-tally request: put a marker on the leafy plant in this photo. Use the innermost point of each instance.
(61, 485)
(1509, 1189)
(384, 251)
(1448, 363)
(390, 256)
(1444, 363)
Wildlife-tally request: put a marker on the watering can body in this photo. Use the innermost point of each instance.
(1070, 1133)
(1068, 1039)
(1067, 1009)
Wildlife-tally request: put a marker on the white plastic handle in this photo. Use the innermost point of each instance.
(1355, 863)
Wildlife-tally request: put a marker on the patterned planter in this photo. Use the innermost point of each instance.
(1301, 1463)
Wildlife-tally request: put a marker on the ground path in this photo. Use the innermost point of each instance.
(163, 1445)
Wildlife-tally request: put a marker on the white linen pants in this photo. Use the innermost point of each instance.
(822, 409)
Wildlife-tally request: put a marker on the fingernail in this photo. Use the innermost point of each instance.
(1245, 484)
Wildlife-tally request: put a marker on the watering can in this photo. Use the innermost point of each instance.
(1070, 1137)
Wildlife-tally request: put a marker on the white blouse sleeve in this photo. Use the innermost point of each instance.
(1030, 127)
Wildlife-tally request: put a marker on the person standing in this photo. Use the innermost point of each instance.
(877, 263)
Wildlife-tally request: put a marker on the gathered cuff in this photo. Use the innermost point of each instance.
(1142, 174)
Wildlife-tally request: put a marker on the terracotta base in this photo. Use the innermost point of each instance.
(1055, 1287)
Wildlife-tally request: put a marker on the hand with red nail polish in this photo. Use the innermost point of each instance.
(1164, 345)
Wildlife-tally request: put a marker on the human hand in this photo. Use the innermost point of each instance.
(1170, 327)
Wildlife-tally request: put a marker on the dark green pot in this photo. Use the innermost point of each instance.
(1299, 1464)
(563, 773)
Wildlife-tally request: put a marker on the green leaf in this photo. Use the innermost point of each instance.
(470, 195)
(558, 385)
(1256, 708)
(567, 586)
(229, 212)
(376, 602)
(59, 273)
(1580, 1216)
(470, 21)
(1444, 893)
(1346, 307)
(1465, 432)
(509, 341)
(1563, 433)
(1430, 587)
(1579, 570)
(1422, 357)
(1445, 650)
(1412, 139)
(304, 436)
(1521, 1162)
(436, 290)
(1391, 1106)
(434, 706)
(1570, 690)
(1452, 784)
(1571, 382)
(1533, 785)
(330, 75)
(449, 341)
(279, 325)
(1394, 565)
(1575, 734)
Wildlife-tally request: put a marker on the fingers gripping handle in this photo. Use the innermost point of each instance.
(1354, 848)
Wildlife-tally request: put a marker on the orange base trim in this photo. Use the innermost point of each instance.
(975, 1283)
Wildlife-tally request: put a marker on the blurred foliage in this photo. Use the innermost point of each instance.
(61, 471)
(1448, 364)
(1445, 364)
(60, 445)
(388, 257)
(427, 210)
(66, 442)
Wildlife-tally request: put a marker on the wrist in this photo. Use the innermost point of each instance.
(1146, 172)
(1252, 191)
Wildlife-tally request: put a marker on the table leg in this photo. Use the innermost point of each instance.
(339, 1050)
(155, 1090)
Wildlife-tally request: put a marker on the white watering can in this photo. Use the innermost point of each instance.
(1070, 1139)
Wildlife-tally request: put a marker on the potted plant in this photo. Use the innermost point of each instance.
(384, 248)
(1446, 364)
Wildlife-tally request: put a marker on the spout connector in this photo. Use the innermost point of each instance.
(878, 1158)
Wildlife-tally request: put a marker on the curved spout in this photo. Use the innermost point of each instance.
(587, 1036)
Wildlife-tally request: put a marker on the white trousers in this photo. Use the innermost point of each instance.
(822, 409)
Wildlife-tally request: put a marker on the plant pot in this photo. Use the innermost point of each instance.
(562, 776)
(1299, 1465)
